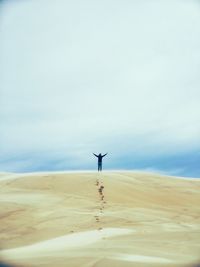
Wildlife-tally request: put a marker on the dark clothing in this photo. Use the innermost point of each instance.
(100, 160)
(99, 166)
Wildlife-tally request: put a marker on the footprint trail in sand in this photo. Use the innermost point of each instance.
(100, 186)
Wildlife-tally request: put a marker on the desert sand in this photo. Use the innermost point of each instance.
(92, 219)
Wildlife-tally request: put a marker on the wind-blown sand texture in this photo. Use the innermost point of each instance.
(99, 219)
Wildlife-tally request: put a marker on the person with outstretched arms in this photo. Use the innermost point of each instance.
(100, 157)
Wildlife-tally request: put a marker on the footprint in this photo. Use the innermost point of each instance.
(101, 189)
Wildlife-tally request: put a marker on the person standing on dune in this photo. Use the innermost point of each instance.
(100, 160)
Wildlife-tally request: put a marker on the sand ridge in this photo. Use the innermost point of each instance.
(99, 219)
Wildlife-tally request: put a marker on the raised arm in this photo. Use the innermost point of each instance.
(95, 155)
(104, 155)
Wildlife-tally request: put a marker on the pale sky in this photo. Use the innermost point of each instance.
(100, 76)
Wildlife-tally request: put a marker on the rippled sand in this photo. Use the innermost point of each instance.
(92, 219)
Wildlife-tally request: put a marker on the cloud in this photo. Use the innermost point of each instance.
(110, 76)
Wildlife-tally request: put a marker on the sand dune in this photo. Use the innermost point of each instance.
(90, 219)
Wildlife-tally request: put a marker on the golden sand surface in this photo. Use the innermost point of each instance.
(108, 219)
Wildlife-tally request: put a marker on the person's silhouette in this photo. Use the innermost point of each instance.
(100, 160)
